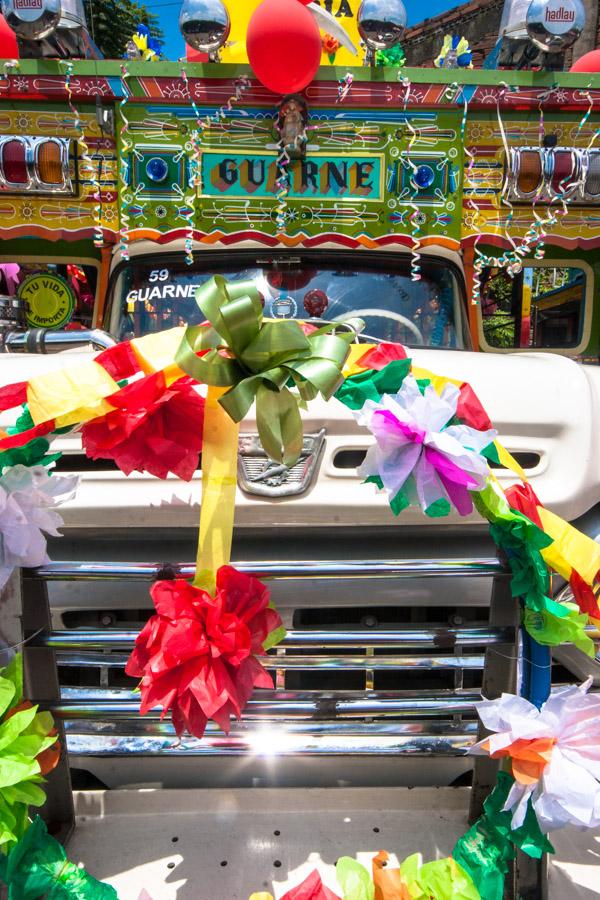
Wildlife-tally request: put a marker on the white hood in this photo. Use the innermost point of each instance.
(540, 403)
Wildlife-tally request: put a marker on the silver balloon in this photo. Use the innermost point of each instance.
(381, 23)
(204, 24)
(554, 25)
(33, 20)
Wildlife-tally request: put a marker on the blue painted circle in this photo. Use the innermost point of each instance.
(424, 177)
(157, 169)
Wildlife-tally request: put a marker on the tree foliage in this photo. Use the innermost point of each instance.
(112, 22)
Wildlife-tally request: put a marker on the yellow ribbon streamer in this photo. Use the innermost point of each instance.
(219, 482)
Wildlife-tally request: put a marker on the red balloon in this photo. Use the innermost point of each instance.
(284, 45)
(589, 62)
(9, 49)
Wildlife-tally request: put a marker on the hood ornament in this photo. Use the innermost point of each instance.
(257, 474)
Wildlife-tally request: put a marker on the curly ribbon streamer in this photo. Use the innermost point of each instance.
(88, 162)
(344, 86)
(194, 175)
(535, 236)
(262, 358)
(7, 66)
(195, 172)
(415, 265)
(282, 186)
(124, 174)
(590, 109)
(478, 267)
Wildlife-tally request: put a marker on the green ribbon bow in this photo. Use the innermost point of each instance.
(258, 360)
(38, 867)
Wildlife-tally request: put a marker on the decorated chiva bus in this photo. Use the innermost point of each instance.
(341, 312)
(471, 195)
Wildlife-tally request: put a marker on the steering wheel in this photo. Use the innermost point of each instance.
(384, 314)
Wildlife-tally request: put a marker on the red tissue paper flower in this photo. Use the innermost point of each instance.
(198, 656)
(312, 888)
(378, 357)
(154, 428)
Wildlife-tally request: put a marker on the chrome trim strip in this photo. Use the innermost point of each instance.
(44, 339)
(367, 740)
(106, 704)
(294, 569)
(310, 663)
(156, 728)
(442, 638)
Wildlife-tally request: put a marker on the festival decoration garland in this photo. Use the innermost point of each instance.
(149, 429)
(28, 752)
(199, 656)
(37, 866)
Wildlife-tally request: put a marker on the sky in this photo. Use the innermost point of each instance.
(168, 11)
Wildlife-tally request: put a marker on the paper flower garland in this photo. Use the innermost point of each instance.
(38, 867)
(154, 428)
(419, 456)
(198, 656)
(554, 754)
(28, 497)
(28, 751)
(455, 53)
(485, 850)
(443, 879)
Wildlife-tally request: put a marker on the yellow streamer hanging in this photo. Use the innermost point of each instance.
(219, 482)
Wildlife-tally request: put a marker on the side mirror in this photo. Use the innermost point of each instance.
(43, 340)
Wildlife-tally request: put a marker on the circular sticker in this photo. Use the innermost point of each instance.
(49, 298)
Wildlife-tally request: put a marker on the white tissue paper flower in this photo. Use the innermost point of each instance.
(28, 498)
(418, 452)
(554, 752)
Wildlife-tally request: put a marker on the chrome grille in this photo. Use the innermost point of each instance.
(100, 710)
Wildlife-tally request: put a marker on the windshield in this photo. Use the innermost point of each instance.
(152, 294)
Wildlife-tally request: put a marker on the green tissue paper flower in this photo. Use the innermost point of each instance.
(26, 740)
(38, 867)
